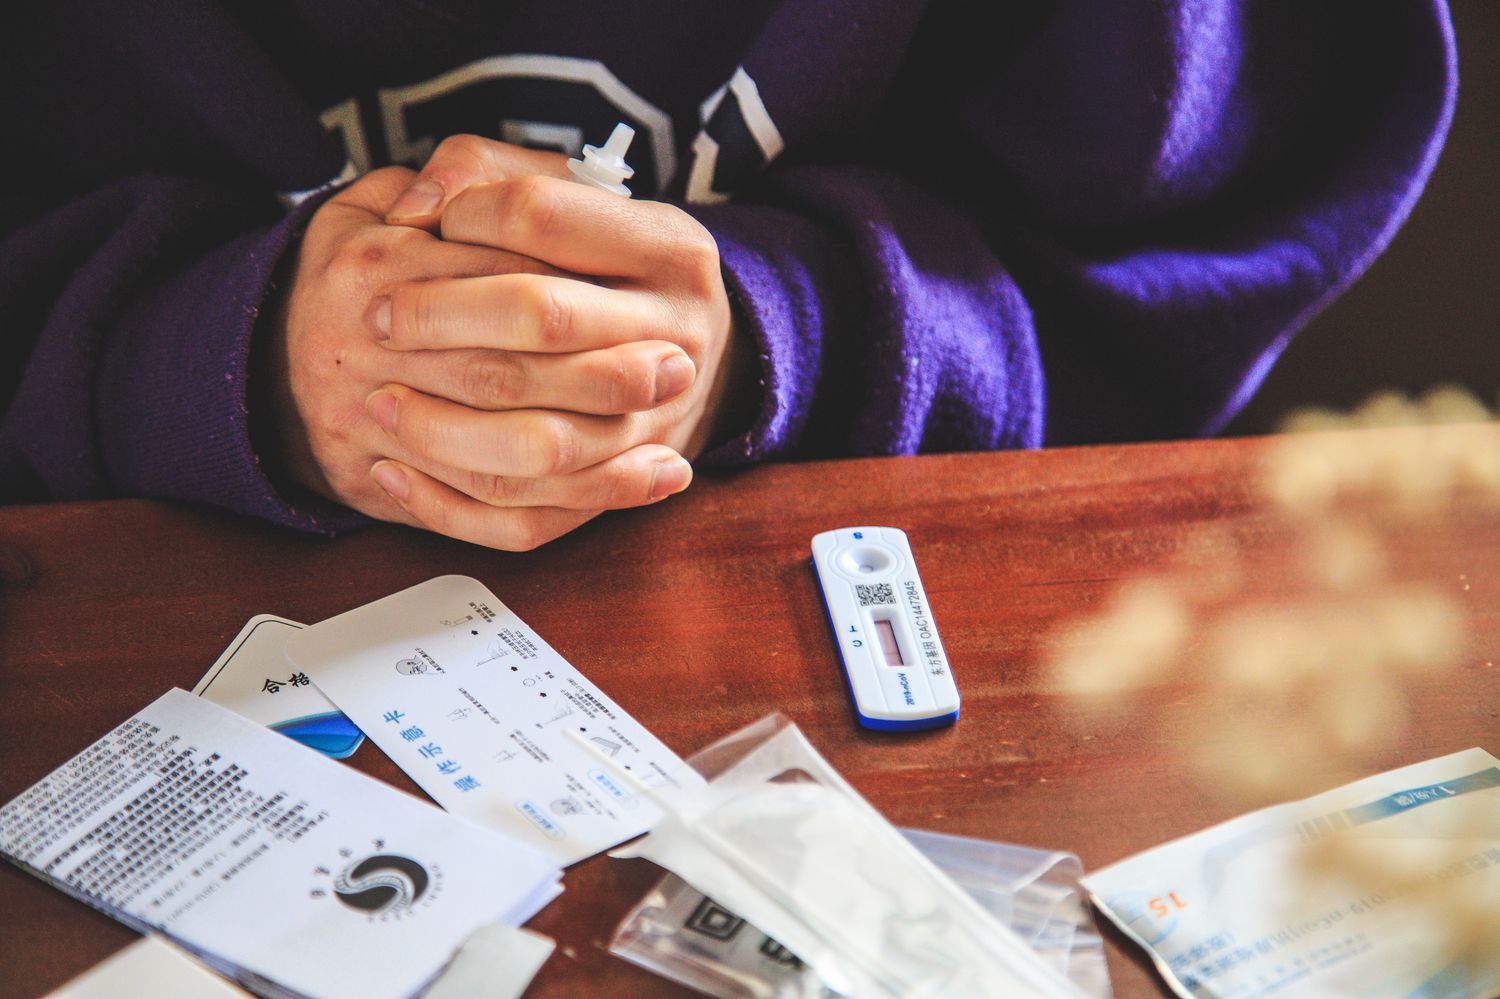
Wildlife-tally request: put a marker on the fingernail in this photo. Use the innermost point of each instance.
(382, 406)
(390, 478)
(670, 477)
(673, 376)
(422, 198)
(380, 318)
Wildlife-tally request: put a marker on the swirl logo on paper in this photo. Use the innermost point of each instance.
(385, 884)
(379, 885)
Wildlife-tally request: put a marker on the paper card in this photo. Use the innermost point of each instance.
(272, 863)
(474, 706)
(254, 679)
(149, 967)
(1238, 909)
(497, 962)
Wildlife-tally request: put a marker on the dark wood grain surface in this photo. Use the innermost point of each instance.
(699, 616)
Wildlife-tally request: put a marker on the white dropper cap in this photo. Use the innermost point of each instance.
(606, 168)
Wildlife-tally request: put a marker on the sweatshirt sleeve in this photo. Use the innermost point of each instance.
(136, 382)
(128, 297)
(1100, 221)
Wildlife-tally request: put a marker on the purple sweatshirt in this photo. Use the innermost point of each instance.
(948, 225)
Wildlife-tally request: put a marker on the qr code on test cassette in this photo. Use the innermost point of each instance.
(874, 593)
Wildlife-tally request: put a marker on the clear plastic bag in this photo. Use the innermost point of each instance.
(679, 933)
(779, 835)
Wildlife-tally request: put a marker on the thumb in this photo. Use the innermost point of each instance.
(460, 162)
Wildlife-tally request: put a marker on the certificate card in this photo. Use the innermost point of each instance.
(252, 678)
(279, 867)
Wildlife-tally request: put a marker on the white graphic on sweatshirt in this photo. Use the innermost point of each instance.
(396, 103)
(706, 148)
(410, 141)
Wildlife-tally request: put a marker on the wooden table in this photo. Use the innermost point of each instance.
(700, 616)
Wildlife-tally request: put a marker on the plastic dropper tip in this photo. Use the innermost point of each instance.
(619, 141)
(605, 167)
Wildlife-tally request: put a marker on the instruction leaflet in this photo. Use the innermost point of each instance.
(276, 865)
(475, 707)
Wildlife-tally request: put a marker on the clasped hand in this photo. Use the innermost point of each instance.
(492, 352)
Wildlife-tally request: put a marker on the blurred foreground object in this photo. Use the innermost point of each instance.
(1313, 641)
(1380, 889)
(1303, 656)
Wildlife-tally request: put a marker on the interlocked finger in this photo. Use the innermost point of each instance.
(637, 477)
(630, 378)
(441, 508)
(525, 443)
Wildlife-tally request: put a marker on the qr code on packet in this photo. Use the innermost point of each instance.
(876, 593)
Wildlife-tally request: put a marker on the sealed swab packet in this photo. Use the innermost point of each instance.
(1387, 888)
(780, 839)
(679, 933)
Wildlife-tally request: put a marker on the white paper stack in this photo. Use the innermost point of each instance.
(273, 863)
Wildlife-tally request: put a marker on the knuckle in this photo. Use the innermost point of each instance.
(352, 263)
(401, 241)
(414, 430)
(686, 326)
(339, 425)
(501, 490)
(411, 314)
(550, 312)
(529, 204)
(631, 384)
(346, 484)
(493, 380)
(697, 255)
(437, 510)
(389, 176)
(426, 313)
(620, 486)
(464, 149)
(525, 533)
(658, 426)
(553, 446)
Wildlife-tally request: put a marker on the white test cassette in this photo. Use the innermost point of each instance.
(894, 661)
